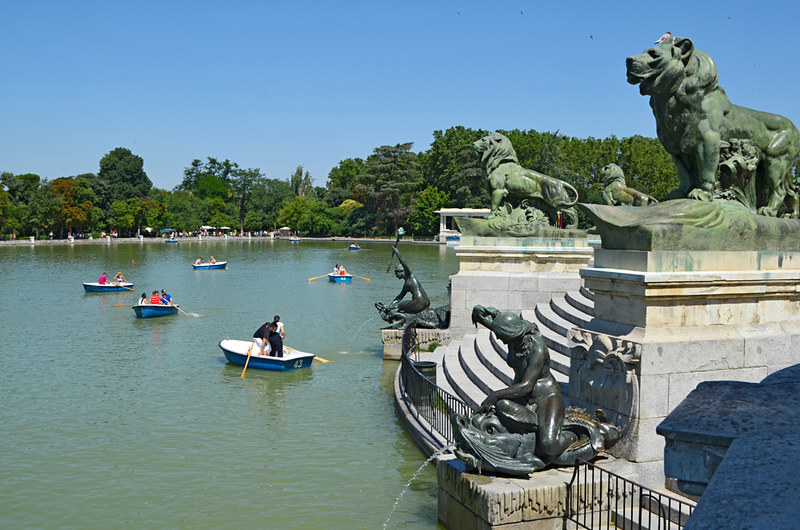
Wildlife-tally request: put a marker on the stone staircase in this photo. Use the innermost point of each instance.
(475, 366)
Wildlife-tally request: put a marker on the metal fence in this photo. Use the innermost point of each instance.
(597, 498)
(431, 402)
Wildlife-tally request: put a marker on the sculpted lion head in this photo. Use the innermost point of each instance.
(494, 149)
(674, 67)
(612, 173)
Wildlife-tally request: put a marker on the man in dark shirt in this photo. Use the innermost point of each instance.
(260, 337)
(275, 340)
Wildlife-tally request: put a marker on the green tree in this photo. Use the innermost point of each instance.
(20, 187)
(43, 209)
(451, 166)
(423, 219)
(292, 211)
(301, 184)
(342, 179)
(124, 176)
(392, 179)
(320, 220)
(243, 184)
(209, 179)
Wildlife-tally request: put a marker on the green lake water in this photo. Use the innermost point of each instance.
(110, 421)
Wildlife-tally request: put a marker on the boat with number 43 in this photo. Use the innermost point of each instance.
(340, 278)
(94, 287)
(236, 353)
(205, 266)
(154, 310)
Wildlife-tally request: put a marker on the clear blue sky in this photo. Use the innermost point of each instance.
(277, 84)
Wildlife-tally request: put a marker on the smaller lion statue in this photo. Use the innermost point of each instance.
(616, 191)
(512, 184)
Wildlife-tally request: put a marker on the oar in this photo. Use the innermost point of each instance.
(120, 285)
(316, 358)
(122, 305)
(178, 308)
(316, 278)
(357, 276)
(248, 358)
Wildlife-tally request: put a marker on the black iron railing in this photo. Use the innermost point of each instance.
(431, 403)
(597, 498)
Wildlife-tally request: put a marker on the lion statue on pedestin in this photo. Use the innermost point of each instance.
(694, 117)
(616, 191)
(514, 185)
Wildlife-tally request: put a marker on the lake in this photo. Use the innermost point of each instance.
(112, 421)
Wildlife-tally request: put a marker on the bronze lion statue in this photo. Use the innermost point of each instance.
(514, 185)
(694, 117)
(616, 191)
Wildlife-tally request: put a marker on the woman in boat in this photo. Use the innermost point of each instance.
(336, 270)
(281, 327)
(342, 272)
(119, 278)
(143, 299)
(213, 261)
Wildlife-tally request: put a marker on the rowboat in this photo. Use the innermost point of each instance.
(340, 278)
(294, 239)
(94, 287)
(236, 353)
(205, 266)
(354, 246)
(171, 241)
(154, 310)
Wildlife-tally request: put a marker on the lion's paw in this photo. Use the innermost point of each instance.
(700, 195)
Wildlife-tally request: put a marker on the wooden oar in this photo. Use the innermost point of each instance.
(248, 358)
(178, 308)
(320, 359)
(316, 278)
(357, 276)
(119, 284)
(122, 305)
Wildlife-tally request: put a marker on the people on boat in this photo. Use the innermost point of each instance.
(213, 261)
(342, 272)
(260, 337)
(155, 298)
(166, 298)
(281, 327)
(143, 299)
(103, 279)
(336, 270)
(275, 340)
(198, 261)
(119, 278)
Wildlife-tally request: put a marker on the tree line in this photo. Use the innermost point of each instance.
(393, 186)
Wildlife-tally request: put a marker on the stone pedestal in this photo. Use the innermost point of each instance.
(513, 274)
(467, 500)
(393, 340)
(667, 320)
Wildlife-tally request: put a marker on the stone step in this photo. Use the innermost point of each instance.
(473, 366)
(450, 351)
(570, 313)
(458, 379)
(587, 293)
(577, 300)
(491, 358)
(547, 316)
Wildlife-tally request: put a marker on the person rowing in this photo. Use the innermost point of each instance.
(119, 278)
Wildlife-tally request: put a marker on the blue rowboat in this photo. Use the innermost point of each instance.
(171, 241)
(94, 287)
(236, 353)
(154, 310)
(294, 239)
(340, 278)
(205, 266)
(354, 247)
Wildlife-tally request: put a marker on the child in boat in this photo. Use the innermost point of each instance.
(155, 299)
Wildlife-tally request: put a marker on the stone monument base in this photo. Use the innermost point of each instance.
(667, 320)
(513, 274)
